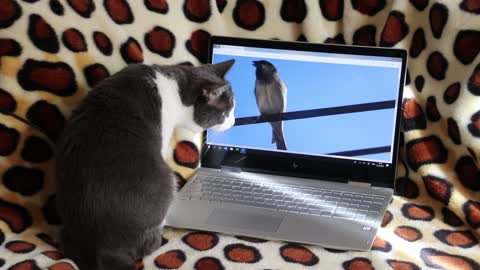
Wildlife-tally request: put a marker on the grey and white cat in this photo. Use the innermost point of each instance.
(114, 186)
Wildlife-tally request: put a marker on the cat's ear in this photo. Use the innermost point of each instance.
(211, 95)
(222, 68)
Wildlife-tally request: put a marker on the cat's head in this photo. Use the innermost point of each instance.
(215, 103)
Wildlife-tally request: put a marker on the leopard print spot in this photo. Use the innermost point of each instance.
(450, 218)
(418, 43)
(9, 138)
(47, 239)
(433, 114)
(241, 253)
(402, 265)
(119, 11)
(7, 104)
(84, 8)
(440, 189)
(2, 237)
(180, 181)
(441, 260)
(368, 7)
(186, 154)
(405, 187)
(387, 218)
(298, 254)
(293, 10)
(249, 14)
(302, 38)
(53, 254)
(197, 45)
(338, 39)
(408, 233)
(417, 212)
(25, 265)
(36, 150)
(208, 263)
(48, 117)
(453, 131)
(463, 239)
(10, 11)
(197, 10)
(54, 77)
(103, 43)
(332, 10)
(42, 34)
(19, 246)
(419, 83)
(159, 6)
(451, 93)
(474, 127)
(17, 217)
(160, 41)
(138, 265)
(438, 19)
(251, 239)
(131, 51)
(468, 173)
(437, 65)
(56, 7)
(471, 6)
(358, 263)
(419, 4)
(201, 240)
(427, 150)
(9, 47)
(95, 73)
(49, 211)
(413, 116)
(365, 36)
(474, 81)
(23, 180)
(74, 40)
(466, 46)
(221, 4)
(62, 266)
(395, 29)
(172, 259)
(472, 212)
(380, 244)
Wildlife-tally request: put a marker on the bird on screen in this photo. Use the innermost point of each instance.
(271, 96)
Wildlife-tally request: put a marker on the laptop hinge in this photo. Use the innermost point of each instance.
(230, 169)
(358, 184)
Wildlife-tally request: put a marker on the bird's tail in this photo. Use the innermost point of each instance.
(277, 135)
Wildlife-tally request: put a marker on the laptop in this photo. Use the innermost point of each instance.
(319, 171)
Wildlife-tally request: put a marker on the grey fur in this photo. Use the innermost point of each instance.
(114, 187)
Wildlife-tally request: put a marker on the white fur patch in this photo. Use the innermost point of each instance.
(174, 113)
(229, 121)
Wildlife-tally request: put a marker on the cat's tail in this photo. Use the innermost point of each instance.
(277, 135)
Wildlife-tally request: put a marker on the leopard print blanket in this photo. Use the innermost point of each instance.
(53, 51)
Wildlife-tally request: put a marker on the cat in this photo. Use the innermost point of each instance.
(114, 185)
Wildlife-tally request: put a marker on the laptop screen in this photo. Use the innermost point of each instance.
(316, 105)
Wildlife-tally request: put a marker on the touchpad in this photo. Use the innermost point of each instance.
(244, 220)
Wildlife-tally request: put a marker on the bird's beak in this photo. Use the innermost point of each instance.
(255, 63)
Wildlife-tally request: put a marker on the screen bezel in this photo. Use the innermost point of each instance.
(288, 164)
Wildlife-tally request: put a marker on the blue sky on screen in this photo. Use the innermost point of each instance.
(313, 85)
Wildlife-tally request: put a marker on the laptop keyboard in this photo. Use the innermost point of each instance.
(286, 198)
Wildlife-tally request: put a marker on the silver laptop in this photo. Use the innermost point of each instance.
(319, 171)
